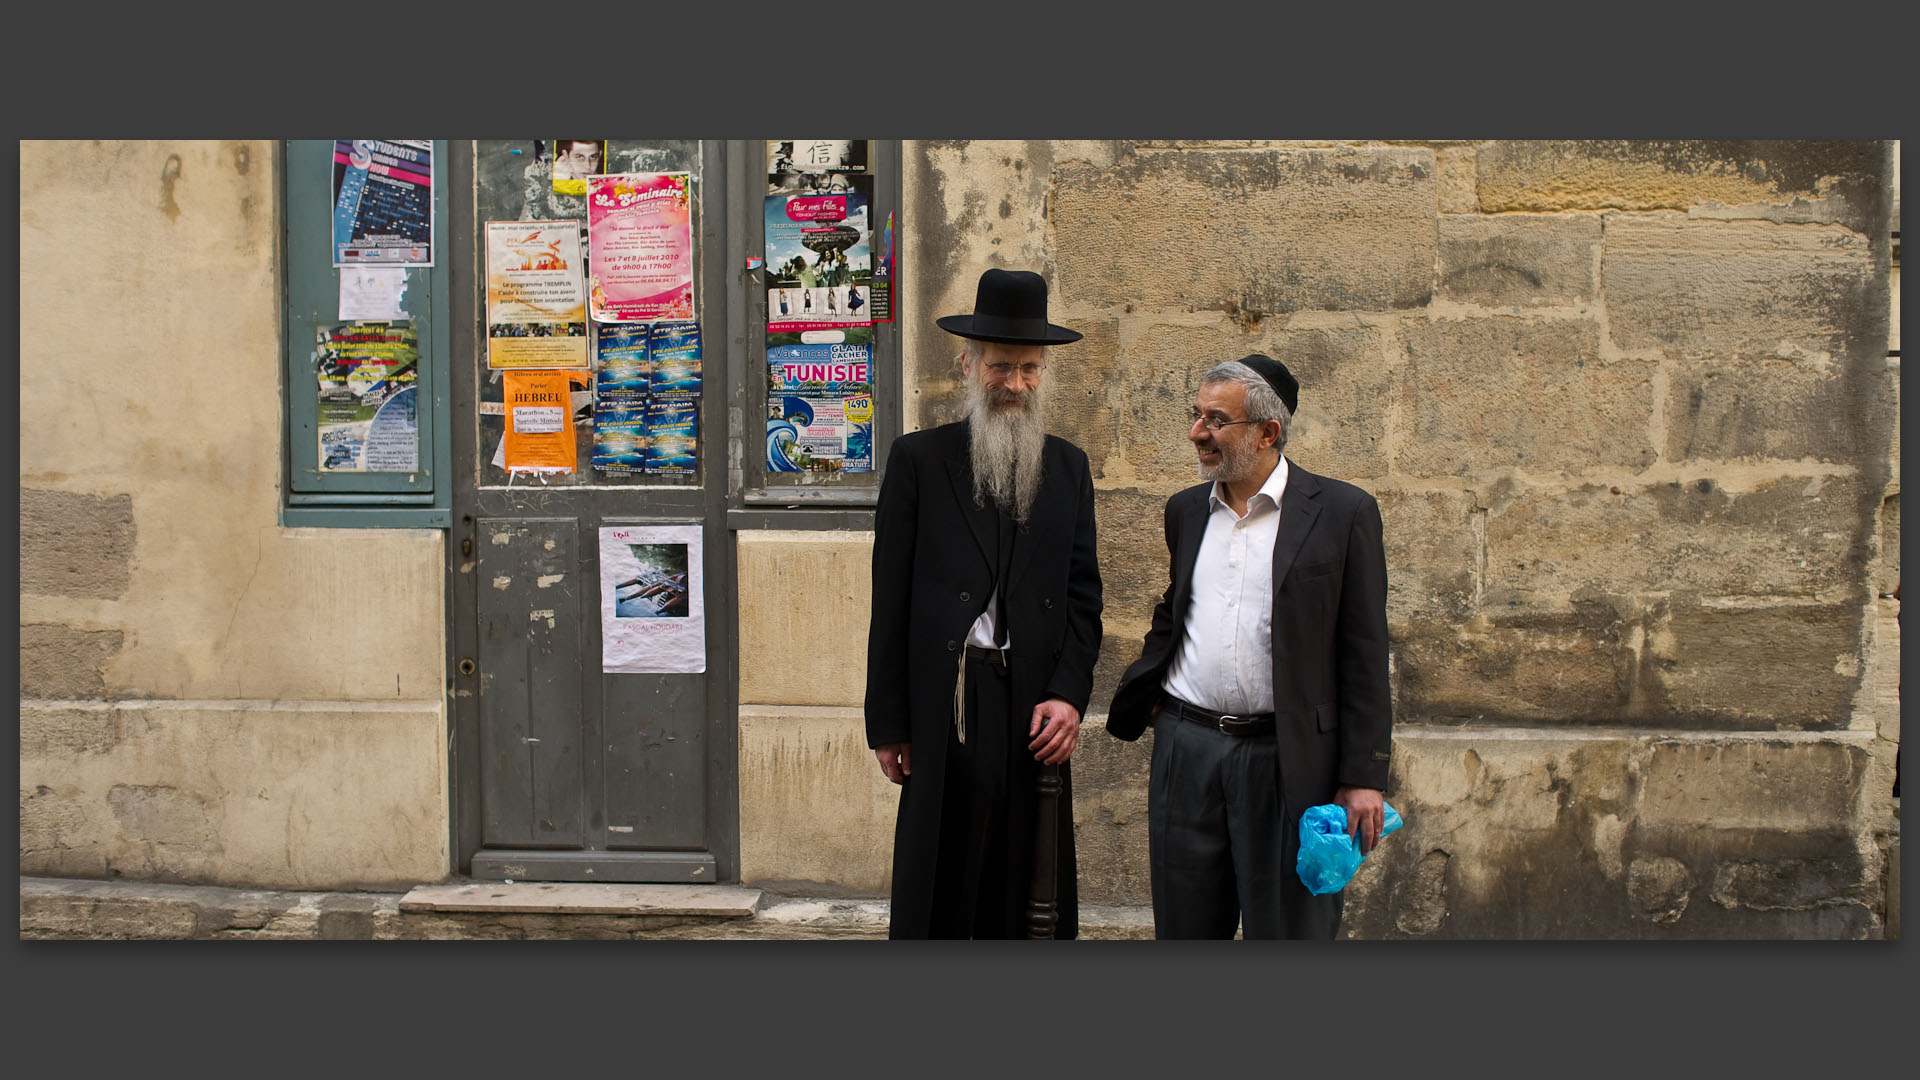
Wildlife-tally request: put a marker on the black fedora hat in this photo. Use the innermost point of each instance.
(1010, 308)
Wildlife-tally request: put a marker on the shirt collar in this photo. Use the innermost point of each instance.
(1275, 486)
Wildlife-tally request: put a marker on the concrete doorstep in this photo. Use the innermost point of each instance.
(54, 909)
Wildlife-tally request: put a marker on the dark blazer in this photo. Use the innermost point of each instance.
(933, 564)
(1332, 710)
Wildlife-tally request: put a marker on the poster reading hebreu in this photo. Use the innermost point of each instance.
(652, 611)
(383, 202)
(640, 244)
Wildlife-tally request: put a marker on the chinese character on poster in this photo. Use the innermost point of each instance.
(640, 247)
(383, 202)
(367, 389)
(652, 604)
(802, 165)
(536, 295)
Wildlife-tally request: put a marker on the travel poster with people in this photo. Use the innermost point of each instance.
(640, 247)
(652, 604)
(819, 266)
(367, 377)
(383, 202)
(536, 295)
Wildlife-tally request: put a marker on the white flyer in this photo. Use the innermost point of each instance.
(652, 610)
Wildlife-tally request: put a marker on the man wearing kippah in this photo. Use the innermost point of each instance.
(985, 629)
(1264, 673)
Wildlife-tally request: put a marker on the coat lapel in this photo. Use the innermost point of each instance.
(1299, 507)
(1190, 529)
(980, 519)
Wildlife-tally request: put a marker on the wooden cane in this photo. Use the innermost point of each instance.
(1043, 909)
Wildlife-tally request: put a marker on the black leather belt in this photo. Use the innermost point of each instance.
(1225, 723)
(991, 656)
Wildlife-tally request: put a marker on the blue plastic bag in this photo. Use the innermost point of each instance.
(1328, 856)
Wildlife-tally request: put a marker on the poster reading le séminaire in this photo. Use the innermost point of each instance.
(383, 202)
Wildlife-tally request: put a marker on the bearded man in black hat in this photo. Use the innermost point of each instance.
(985, 629)
(1264, 673)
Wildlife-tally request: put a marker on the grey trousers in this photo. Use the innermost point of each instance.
(1222, 840)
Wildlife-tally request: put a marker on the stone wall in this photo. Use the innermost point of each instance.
(205, 696)
(1630, 417)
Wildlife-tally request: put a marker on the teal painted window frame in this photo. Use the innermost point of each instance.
(311, 296)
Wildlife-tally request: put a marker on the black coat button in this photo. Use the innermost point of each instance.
(1047, 602)
(964, 597)
(953, 646)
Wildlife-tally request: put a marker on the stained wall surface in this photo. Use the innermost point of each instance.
(205, 695)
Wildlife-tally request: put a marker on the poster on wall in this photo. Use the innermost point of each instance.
(675, 349)
(540, 433)
(573, 161)
(819, 432)
(373, 294)
(368, 394)
(536, 295)
(640, 247)
(652, 611)
(797, 165)
(383, 202)
(883, 281)
(819, 266)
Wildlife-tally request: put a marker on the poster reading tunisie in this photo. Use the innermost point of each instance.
(652, 611)
(640, 244)
(536, 295)
(383, 202)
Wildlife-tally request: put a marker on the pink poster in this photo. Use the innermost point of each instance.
(640, 246)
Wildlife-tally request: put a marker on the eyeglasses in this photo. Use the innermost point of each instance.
(1214, 423)
(1001, 371)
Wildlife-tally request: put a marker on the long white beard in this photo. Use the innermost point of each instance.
(1006, 450)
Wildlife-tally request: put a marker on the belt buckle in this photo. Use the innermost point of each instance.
(1225, 719)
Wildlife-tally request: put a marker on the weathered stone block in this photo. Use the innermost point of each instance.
(1841, 180)
(1767, 408)
(1110, 815)
(1249, 231)
(814, 806)
(1085, 403)
(1788, 784)
(1788, 666)
(1431, 554)
(1786, 537)
(1133, 575)
(1737, 289)
(1340, 429)
(828, 577)
(291, 796)
(1547, 666)
(1523, 260)
(61, 662)
(1493, 393)
(74, 544)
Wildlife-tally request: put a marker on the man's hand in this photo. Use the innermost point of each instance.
(1365, 816)
(896, 760)
(1056, 731)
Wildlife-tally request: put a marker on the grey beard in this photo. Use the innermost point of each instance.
(1005, 449)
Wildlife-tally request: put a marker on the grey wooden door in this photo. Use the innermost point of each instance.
(561, 771)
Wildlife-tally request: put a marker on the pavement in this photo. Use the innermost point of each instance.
(76, 909)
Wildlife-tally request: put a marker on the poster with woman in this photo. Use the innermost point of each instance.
(640, 243)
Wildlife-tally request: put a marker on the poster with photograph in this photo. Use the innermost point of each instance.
(652, 607)
(536, 295)
(573, 161)
(676, 360)
(640, 247)
(673, 436)
(383, 202)
(368, 398)
(819, 433)
(819, 268)
(795, 165)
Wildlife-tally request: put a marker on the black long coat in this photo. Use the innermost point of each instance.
(933, 566)
(1333, 712)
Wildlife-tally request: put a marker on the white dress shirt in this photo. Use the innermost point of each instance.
(1225, 659)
